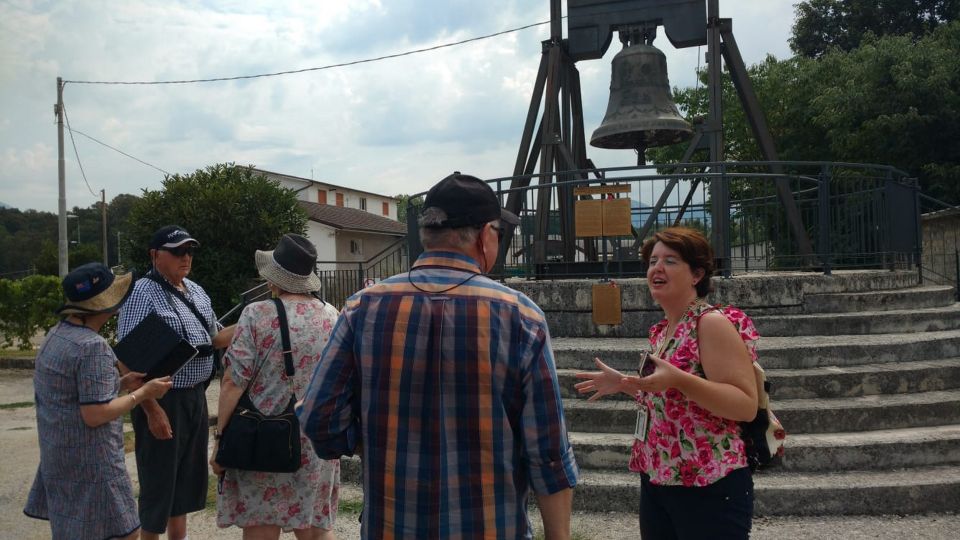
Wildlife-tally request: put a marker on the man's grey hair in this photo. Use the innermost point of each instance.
(433, 237)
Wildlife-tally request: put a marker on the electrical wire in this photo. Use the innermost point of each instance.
(74, 143)
(319, 68)
(78, 132)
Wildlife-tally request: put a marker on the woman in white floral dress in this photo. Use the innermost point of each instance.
(695, 480)
(304, 501)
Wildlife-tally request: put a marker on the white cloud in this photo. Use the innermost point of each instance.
(392, 126)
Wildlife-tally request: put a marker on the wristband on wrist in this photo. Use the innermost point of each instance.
(133, 396)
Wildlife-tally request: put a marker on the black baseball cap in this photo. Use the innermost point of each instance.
(467, 201)
(171, 236)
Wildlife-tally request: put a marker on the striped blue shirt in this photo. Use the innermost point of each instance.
(149, 296)
(447, 379)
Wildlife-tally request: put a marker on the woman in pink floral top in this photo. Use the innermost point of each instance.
(695, 482)
(305, 501)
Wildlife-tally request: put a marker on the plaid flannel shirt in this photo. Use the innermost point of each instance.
(455, 398)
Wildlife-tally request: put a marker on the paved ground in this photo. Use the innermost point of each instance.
(19, 457)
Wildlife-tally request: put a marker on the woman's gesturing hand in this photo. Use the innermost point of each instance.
(602, 383)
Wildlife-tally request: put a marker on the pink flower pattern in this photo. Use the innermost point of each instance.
(686, 445)
(308, 497)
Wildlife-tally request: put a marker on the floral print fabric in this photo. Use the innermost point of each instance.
(686, 445)
(308, 497)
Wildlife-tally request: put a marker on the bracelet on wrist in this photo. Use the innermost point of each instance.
(133, 396)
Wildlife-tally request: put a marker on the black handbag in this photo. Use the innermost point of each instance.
(253, 441)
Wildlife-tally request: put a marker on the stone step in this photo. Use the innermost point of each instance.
(863, 322)
(869, 450)
(879, 320)
(834, 381)
(906, 491)
(912, 298)
(780, 292)
(779, 352)
(798, 415)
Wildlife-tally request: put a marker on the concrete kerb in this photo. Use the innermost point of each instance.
(767, 290)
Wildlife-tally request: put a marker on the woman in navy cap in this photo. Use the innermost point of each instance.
(82, 486)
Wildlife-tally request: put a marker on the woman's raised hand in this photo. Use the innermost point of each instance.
(156, 388)
(602, 383)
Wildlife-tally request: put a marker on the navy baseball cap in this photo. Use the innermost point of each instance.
(171, 236)
(467, 201)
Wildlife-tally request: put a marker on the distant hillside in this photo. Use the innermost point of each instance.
(5, 205)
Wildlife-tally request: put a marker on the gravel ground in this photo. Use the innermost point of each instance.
(18, 446)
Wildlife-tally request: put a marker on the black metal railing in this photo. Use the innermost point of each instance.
(348, 278)
(852, 215)
(940, 260)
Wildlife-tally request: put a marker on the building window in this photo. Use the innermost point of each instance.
(339, 199)
(322, 196)
(363, 203)
(356, 247)
(386, 209)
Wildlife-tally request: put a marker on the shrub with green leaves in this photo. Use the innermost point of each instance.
(231, 211)
(27, 306)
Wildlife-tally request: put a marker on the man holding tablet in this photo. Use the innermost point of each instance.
(171, 433)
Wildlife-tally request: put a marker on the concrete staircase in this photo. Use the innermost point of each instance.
(865, 367)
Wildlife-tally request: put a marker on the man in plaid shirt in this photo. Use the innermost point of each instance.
(444, 380)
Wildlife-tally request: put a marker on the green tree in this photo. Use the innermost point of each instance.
(825, 24)
(230, 211)
(891, 101)
(117, 212)
(403, 201)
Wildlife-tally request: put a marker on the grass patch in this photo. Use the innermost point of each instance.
(212, 481)
(350, 506)
(17, 405)
(17, 353)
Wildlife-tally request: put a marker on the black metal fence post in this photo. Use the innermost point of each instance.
(956, 274)
(823, 205)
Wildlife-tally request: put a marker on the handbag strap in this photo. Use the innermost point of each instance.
(284, 341)
(152, 275)
(285, 338)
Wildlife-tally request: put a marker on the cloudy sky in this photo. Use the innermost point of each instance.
(390, 127)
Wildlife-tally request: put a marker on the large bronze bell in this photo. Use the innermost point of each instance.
(641, 112)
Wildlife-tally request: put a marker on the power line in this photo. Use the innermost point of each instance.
(74, 143)
(78, 132)
(320, 68)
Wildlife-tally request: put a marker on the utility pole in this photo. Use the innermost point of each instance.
(103, 205)
(61, 175)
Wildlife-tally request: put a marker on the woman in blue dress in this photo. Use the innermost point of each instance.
(82, 486)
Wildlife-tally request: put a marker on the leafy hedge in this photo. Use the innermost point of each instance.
(27, 306)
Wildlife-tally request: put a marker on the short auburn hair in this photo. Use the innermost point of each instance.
(693, 249)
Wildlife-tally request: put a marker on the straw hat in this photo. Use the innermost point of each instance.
(93, 288)
(291, 265)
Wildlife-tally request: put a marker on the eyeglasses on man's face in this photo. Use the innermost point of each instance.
(180, 251)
